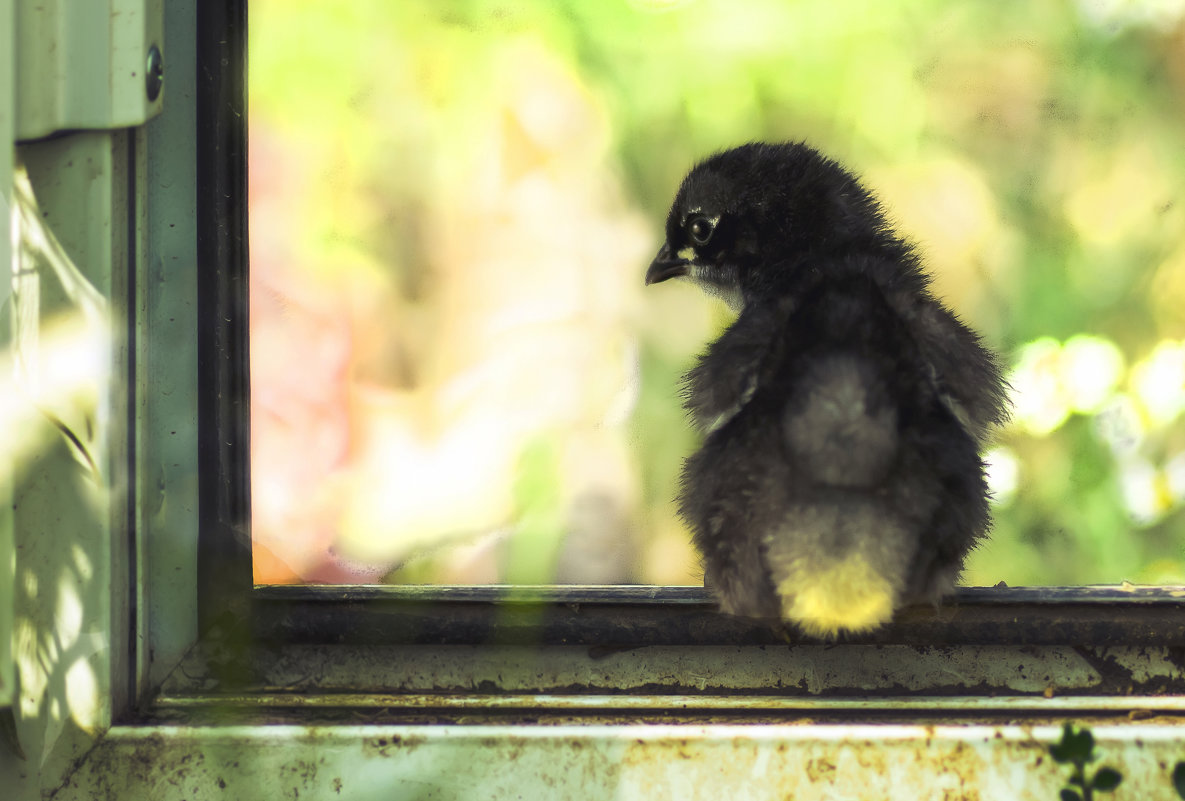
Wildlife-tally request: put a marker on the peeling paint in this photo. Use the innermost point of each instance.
(809, 670)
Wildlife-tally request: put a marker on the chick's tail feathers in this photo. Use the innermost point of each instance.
(839, 565)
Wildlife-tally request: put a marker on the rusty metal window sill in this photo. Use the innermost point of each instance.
(552, 655)
(493, 704)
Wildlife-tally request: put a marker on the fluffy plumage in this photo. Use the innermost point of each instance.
(843, 411)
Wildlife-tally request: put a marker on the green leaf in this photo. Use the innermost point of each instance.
(1075, 746)
(1070, 795)
(1107, 779)
(1083, 748)
(1059, 750)
(1179, 778)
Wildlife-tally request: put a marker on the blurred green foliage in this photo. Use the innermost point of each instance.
(1035, 151)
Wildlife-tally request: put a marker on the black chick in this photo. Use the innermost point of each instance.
(843, 412)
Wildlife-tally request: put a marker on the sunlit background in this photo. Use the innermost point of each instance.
(458, 376)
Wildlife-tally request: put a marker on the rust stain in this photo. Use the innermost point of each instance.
(384, 746)
(820, 770)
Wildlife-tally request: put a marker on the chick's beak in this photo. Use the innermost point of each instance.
(664, 266)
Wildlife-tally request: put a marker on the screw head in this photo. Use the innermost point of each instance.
(154, 74)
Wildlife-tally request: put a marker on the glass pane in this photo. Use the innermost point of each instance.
(459, 377)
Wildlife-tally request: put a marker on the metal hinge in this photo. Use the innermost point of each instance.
(90, 65)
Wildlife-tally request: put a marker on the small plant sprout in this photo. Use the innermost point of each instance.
(1076, 748)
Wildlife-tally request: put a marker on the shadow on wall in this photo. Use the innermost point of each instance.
(54, 423)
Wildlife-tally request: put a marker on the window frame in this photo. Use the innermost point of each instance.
(233, 614)
(223, 349)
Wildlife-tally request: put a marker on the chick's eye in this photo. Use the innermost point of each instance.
(700, 229)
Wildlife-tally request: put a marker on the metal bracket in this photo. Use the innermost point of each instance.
(92, 65)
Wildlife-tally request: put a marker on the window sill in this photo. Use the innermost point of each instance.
(637, 616)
